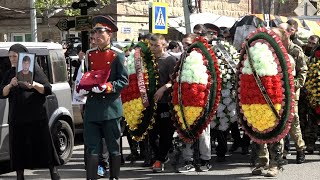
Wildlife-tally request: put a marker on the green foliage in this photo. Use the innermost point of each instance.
(45, 7)
(282, 1)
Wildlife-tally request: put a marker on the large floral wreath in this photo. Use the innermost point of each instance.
(272, 66)
(196, 90)
(138, 103)
(226, 112)
(313, 81)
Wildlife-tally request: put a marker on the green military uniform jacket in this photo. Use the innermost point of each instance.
(301, 67)
(107, 106)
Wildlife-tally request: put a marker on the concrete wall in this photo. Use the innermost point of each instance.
(136, 14)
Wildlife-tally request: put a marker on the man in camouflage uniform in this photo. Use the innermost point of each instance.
(308, 121)
(301, 69)
(271, 153)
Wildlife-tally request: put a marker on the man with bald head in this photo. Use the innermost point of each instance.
(301, 69)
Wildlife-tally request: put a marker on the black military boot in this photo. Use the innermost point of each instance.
(20, 174)
(54, 173)
(92, 166)
(115, 163)
(300, 157)
(134, 155)
(142, 150)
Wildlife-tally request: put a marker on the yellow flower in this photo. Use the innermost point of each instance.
(191, 114)
(133, 112)
(260, 116)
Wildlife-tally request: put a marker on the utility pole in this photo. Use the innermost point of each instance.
(33, 19)
(186, 16)
(305, 8)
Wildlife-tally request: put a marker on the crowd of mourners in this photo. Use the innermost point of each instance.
(304, 131)
(104, 122)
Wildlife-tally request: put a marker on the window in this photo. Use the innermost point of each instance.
(27, 38)
(43, 63)
(21, 37)
(58, 66)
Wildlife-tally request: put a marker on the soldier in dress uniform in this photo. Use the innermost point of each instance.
(104, 107)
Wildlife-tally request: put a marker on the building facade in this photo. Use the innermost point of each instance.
(131, 16)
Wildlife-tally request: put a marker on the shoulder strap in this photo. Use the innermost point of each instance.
(259, 83)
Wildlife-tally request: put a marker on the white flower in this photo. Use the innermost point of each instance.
(229, 85)
(227, 101)
(221, 107)
(213, 124)
(232, 106)
(234, 119)
(223, 126)
(221, 114)
(225, 92)
(223, 120)
(232, 113)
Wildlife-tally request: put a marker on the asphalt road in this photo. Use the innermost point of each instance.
(236, 167)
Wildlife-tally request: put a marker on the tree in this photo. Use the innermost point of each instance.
(48, 8)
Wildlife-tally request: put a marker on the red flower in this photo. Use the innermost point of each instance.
(318, 109)
(317, 54)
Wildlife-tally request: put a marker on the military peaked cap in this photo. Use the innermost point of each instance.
(104, 22)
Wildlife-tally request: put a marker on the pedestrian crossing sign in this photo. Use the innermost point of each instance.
(159, 18)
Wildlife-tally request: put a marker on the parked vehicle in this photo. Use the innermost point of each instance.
(51, 58)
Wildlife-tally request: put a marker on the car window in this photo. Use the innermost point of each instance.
(5, 65)
(43, 62)
(58, 65)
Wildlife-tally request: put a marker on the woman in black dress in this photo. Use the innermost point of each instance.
(30, 140)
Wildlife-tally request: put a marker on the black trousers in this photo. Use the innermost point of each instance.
(222, 147)
(161, 135)
(235, 133)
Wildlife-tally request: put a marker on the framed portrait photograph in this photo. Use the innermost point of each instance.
(25, 69)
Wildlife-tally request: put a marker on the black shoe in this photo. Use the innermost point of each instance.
(310, 149)
(20, 175)
(234, 147)
(205, 166)
(54, 173)
(283, 162)
(221, 158)
(300, 157)
(132, 157)
(245, 150)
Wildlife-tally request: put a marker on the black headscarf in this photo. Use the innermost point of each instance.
(18, 48)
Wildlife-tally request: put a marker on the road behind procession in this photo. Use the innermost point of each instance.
(237, 166)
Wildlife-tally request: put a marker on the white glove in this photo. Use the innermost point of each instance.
(97, 90)
(83, 92)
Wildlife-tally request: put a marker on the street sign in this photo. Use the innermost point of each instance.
(84, 4)
(126, 30)
(65, 25)
(62, 24)
(159, 18)
(305, 7)
(83, 23)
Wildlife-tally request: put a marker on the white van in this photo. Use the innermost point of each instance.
(50, 57)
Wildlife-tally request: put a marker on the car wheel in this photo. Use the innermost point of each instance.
(63, 140)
